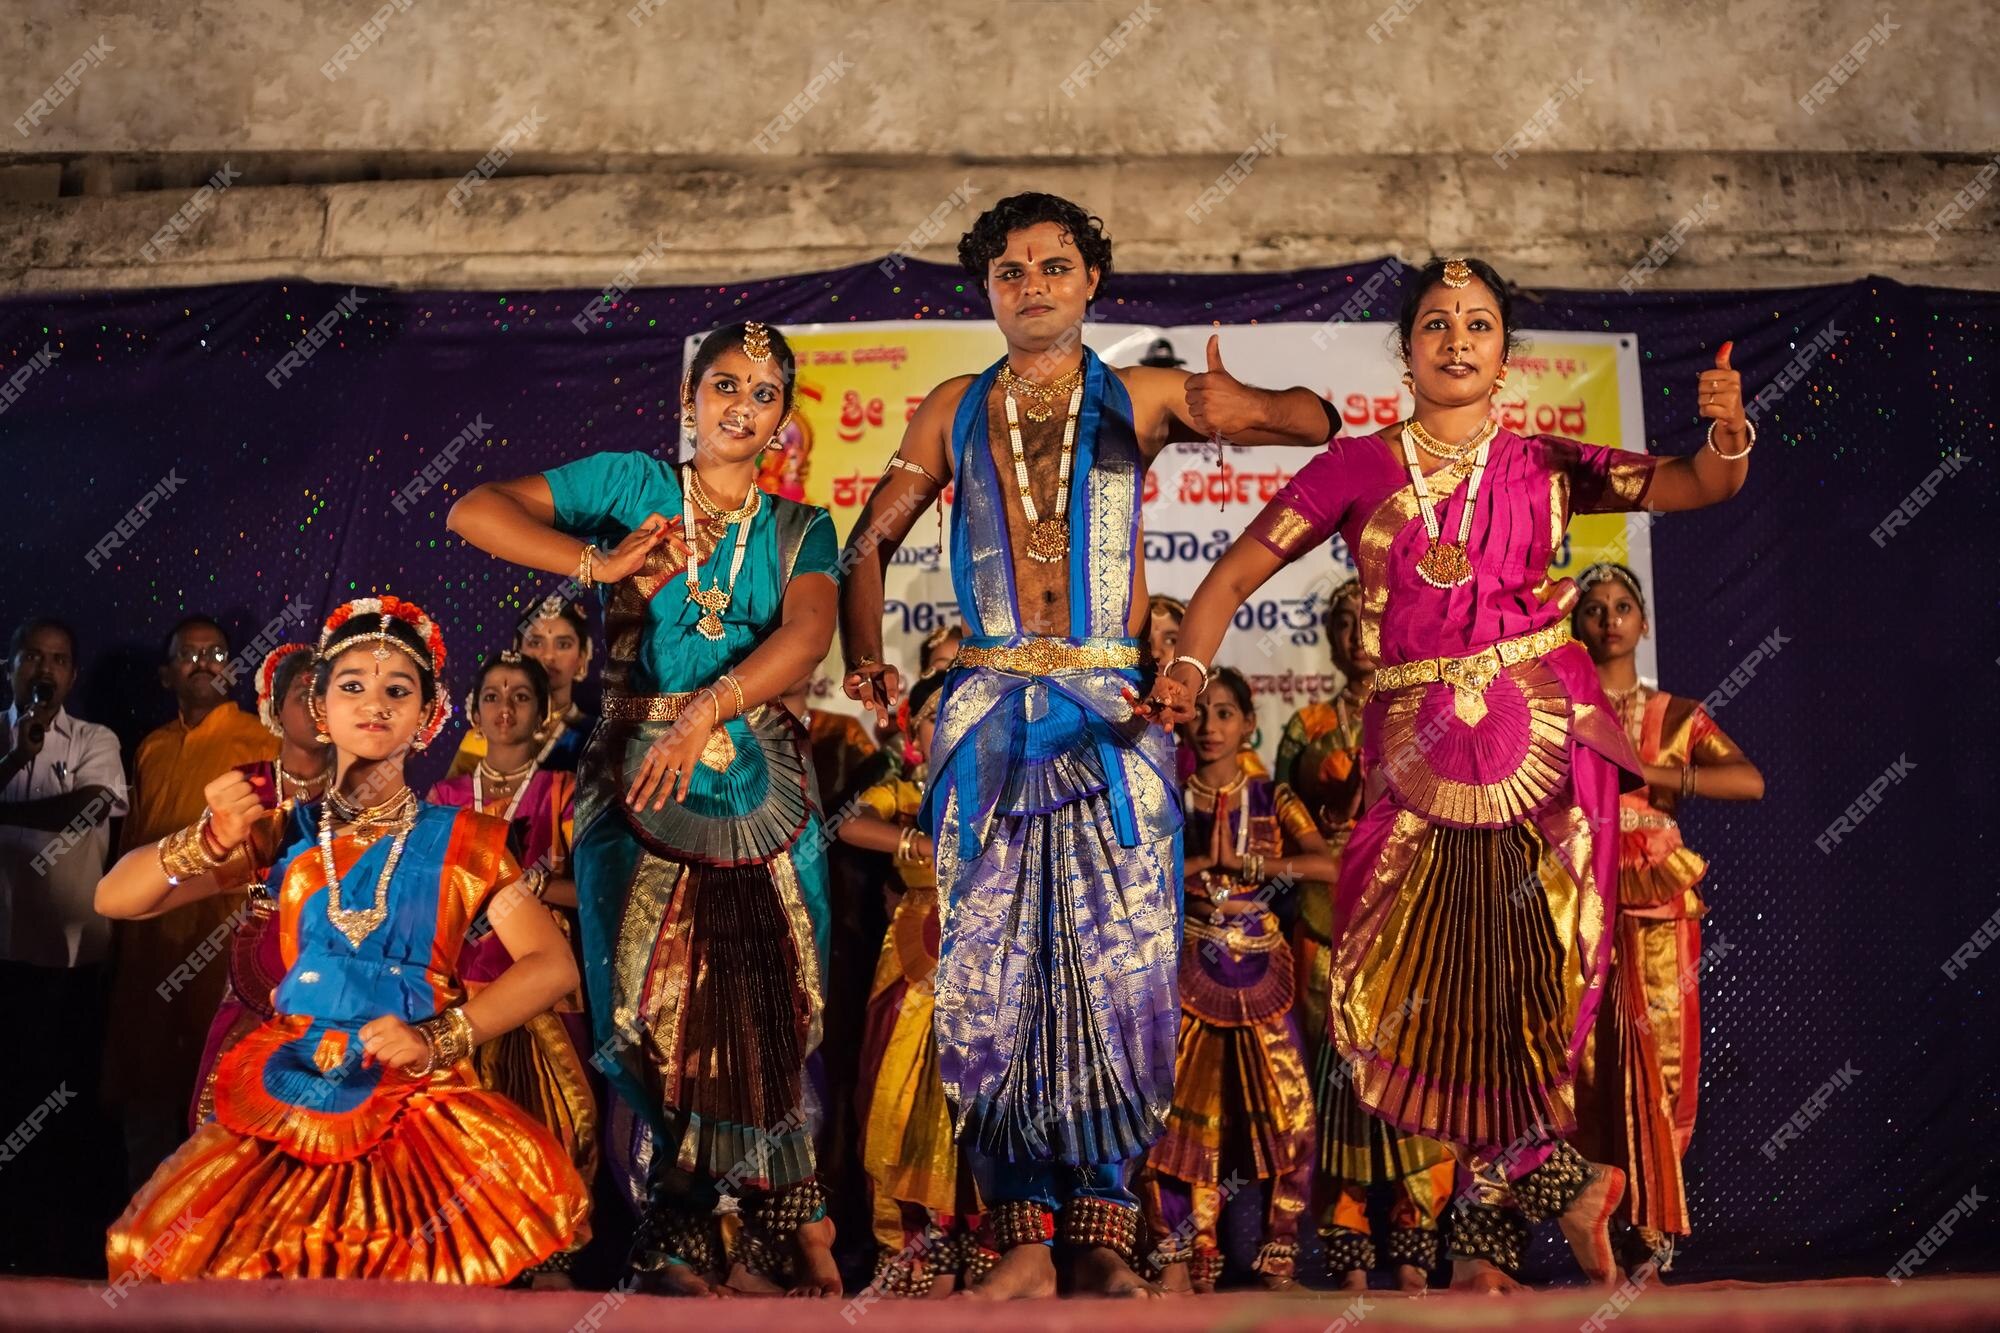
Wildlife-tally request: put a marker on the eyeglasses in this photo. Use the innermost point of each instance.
(196, 656)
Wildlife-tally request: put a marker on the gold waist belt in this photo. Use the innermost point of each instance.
(1232, 936)
(645, 707)
(1630, 819)
(1043, 657)
(1477, 671)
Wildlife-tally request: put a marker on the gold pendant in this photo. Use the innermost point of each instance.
(713, 601)
(1048, 541)
(1445, 566)
(1469, 705)
(1038, 414)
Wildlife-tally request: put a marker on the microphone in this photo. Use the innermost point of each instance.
(40, 695)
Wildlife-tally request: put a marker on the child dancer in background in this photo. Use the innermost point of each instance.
(538, 1065)
(1319, 755)
(300, 773)
(1242, 1108)
(926, 1208)
(351, 1136)
(557, 635)
(1637, 1085)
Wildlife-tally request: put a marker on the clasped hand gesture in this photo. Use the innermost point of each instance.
(876, 686)
(629, 556)
(1171, 700)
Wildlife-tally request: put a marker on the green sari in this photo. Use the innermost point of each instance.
(704, 924)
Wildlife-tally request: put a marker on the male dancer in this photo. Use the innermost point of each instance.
(1053, 808)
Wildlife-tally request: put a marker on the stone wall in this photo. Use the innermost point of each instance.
(1561, 139)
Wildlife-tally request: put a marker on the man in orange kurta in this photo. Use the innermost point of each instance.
(160, 1011)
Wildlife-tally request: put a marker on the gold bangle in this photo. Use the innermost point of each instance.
(585, 575)
(736, 686)
(448, 1034)
(237, 869)
(183, 854)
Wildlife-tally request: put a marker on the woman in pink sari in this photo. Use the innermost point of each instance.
(1473, 908)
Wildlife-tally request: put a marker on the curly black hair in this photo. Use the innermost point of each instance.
(1430, 275)
(987, 240)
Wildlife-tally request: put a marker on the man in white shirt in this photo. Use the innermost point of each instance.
(61, 784)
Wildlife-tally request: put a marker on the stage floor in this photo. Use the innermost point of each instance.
(352, 1307)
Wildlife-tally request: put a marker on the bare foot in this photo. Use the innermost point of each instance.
(1586, 1224)
(1479, 1275)
(1354, 1279)
(1409, 1277)
(1024, 1272)
(816, 1273)
(744, 1282)
(1101, 1272)
(1174, 1279)
(679, 1280)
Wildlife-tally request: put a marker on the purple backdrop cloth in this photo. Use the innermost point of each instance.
(1877, 647)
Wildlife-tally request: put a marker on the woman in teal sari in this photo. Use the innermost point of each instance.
(699, 846)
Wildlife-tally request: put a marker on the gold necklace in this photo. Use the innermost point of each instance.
(1623, 704)
(1446, 564)
(1202, 796)
(493, 774)
(303, 786)
(358, 923)
(1457, 457)
(1048, 538)
(715, 511)
(713, 601)
(1044, 396)
(374, 816)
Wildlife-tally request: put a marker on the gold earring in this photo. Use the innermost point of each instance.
(1409, 381)
(1499, 382)
(318, 720)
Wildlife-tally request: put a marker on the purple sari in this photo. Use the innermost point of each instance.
(1474, 897)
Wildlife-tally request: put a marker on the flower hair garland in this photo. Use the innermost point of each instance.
(386, 608)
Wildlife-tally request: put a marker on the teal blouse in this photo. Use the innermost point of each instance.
(603, 497)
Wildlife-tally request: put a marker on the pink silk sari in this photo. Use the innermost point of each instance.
(1473, 909)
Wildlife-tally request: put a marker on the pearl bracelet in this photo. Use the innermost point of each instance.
(1749, 426)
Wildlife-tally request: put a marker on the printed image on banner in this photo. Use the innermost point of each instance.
(859, 384)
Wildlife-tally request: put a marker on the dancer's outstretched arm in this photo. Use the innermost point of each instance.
(1213, 404)
(516, 519)
(1705, 477)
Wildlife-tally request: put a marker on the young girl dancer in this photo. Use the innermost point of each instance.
(351, 1135)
